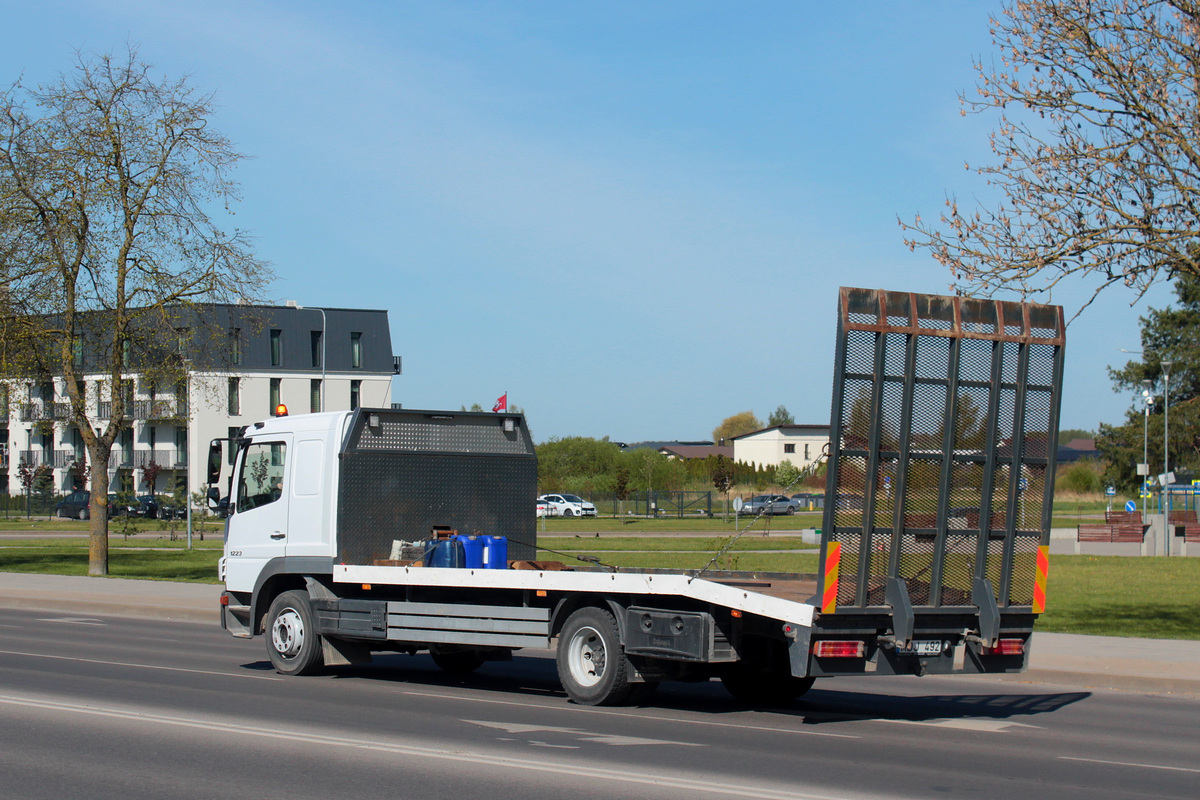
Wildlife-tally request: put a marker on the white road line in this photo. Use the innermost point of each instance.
(673, 720)
(142, 666)
(426, 753)
(1128, 764)
(74, 620)
(582, 735)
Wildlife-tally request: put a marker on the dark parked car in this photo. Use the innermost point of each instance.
(168, 510)
(145, 505)
(77, 505)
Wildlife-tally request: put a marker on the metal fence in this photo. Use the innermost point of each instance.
(655, 504)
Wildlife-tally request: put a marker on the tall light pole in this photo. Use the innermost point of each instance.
(1166, 365)
(1146, 398)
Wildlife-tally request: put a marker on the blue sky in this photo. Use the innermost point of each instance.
(632, 217)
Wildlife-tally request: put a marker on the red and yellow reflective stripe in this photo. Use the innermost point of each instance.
(833, 558)
(1039, 581)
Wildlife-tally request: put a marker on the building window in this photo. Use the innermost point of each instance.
(276, 390)
(314, 395)
(276, 348)
(235, 401)
(806, 456)
(355, 392)
(235, 346)
(318, 348)
(356, 350)
(152, 435)
(181, 445)
(181, 342)
(77, 353)
(231, 446)
(789, 448)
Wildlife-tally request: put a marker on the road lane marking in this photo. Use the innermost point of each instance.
(142, 666)
(476, 759)
(979, 725)
(583, 735)
(1128, 764)
(656, 718)
(74, 620)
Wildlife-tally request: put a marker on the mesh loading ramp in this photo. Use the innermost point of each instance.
(944, 430)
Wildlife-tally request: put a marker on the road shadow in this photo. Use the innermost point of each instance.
(533, 676)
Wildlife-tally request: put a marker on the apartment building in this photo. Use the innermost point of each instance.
(238, 364)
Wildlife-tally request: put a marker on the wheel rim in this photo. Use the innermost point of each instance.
(287, 634)
(83, 514)
(585, 656)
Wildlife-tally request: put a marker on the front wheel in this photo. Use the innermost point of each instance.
(568, 513)
(292, 641)
(591, 661)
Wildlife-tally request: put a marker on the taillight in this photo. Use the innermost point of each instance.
(1005, 647)
(839, 649)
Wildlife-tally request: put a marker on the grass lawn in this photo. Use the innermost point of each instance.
(1101, 595)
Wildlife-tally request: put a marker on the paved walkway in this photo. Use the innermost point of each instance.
(1098, 662)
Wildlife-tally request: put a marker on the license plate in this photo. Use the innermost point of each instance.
(925, 647)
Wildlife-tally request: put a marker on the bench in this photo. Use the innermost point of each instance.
(1124, 531)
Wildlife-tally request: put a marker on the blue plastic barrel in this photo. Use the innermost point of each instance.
(495, 552)
(444, 553)
(473, 552)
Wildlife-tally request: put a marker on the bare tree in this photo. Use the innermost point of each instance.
(1096, 150)
(109, 178)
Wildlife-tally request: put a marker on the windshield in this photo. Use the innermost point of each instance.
(570, 498)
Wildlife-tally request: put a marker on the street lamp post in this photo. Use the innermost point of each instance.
(1166, 365)
(1146, 397)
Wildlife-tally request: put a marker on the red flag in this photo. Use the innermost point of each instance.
(501, 403)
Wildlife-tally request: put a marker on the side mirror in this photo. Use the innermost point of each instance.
(214, 497)
(214, 462)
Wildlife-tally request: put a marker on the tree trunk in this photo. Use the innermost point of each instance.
(98, 509)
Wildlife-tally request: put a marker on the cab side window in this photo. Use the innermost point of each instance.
(261, 478)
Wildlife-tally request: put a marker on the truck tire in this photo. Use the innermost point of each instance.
(756, 687)
(591, 661)
(292, 640)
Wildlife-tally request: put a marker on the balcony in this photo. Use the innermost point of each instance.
(45, 412)
(57, 459)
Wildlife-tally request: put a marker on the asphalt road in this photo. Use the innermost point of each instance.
(107, 707)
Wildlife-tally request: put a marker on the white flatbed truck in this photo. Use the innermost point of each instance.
(335, 519)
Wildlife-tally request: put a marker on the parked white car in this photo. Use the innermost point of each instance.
(546, 509)
(569, 505)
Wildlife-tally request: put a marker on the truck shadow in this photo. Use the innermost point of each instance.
(537, 677)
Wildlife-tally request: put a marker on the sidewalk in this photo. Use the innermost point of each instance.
(1165, 666)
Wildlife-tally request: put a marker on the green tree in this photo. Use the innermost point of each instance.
(108, 181)
(787, 473)
(1170, 345)
(1095, 150)
(781, 416)
(722, 478)
(738, 424)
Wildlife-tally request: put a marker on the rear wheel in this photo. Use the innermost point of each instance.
(292, 641)
(83, 513)
(591, 661)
